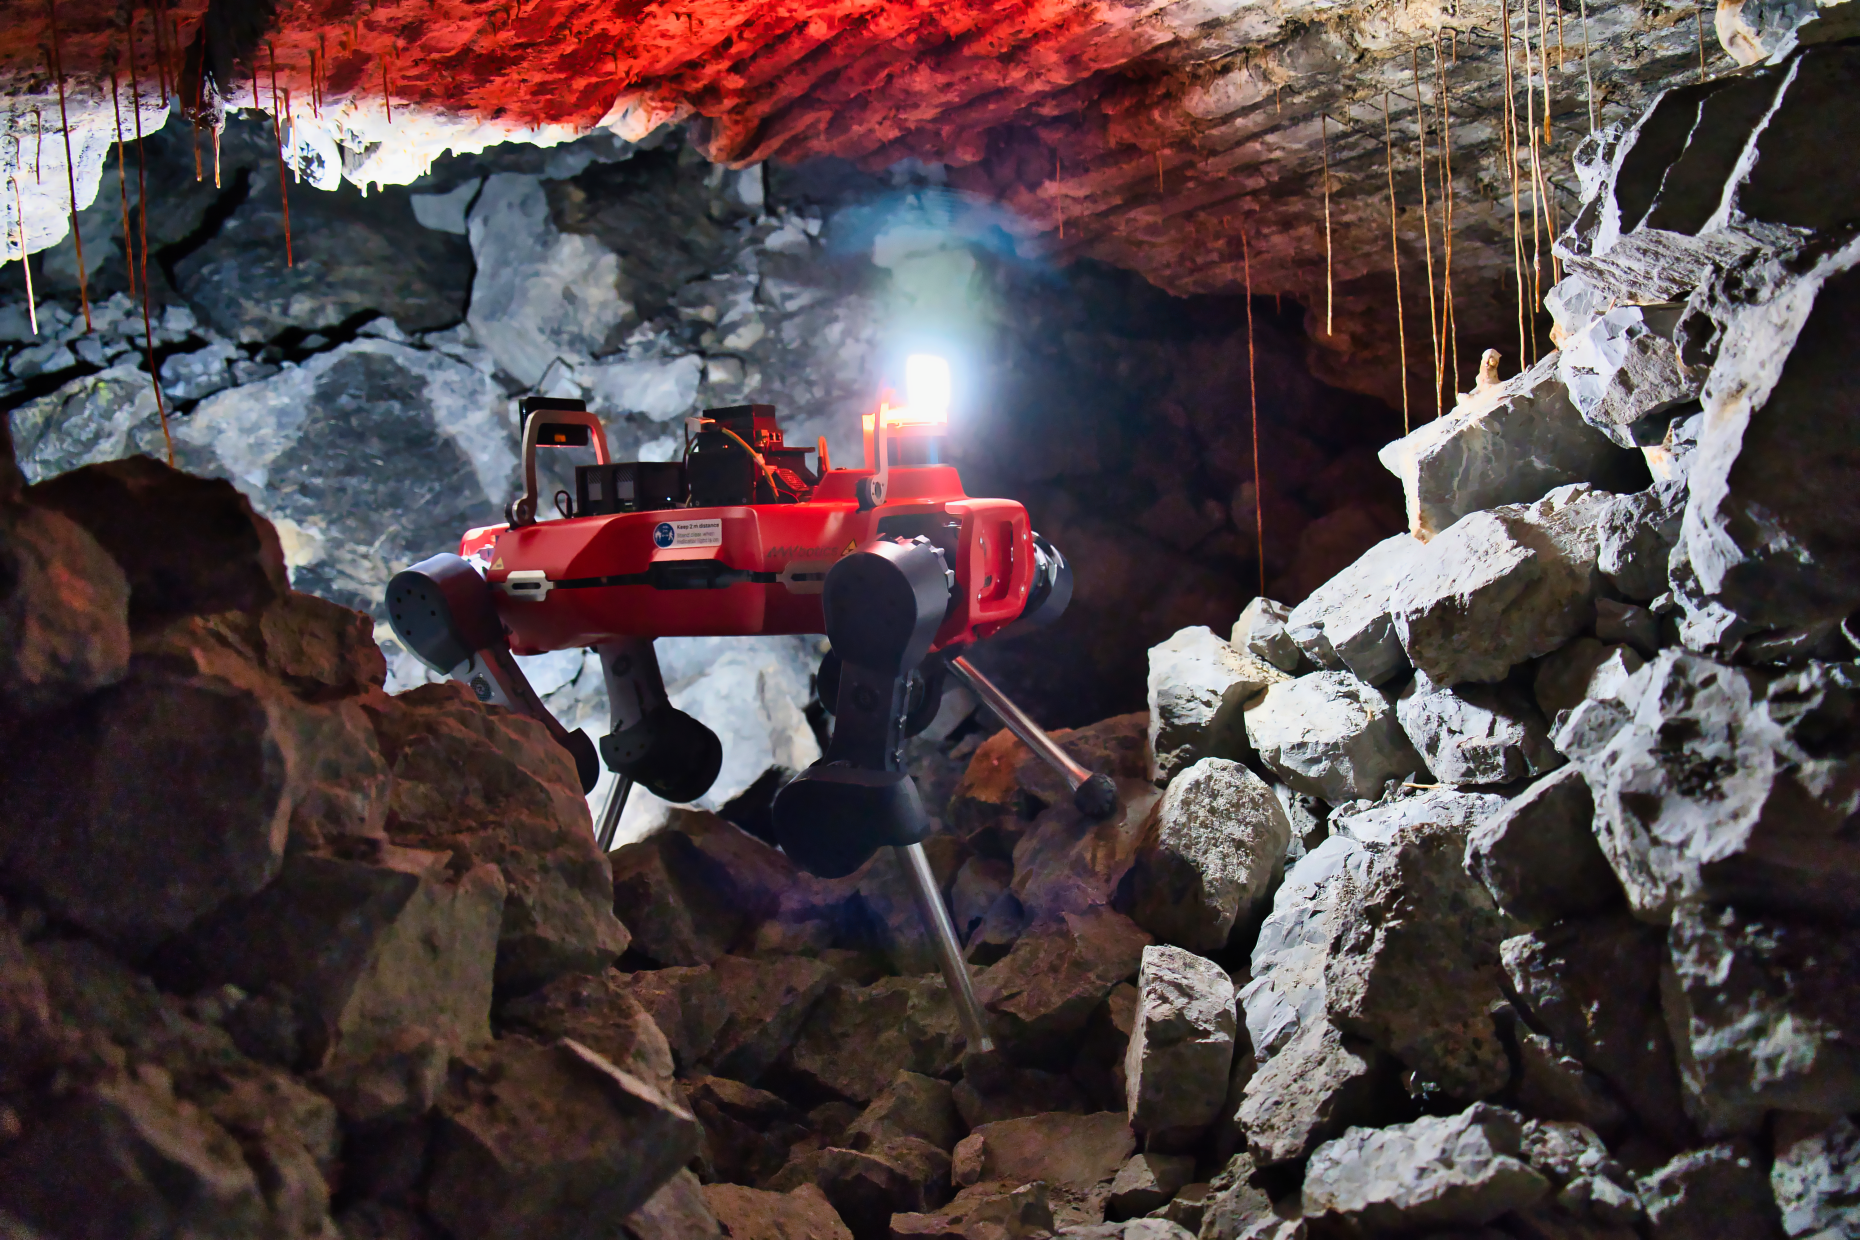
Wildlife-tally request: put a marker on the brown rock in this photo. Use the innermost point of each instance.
(1078, 1151)
(125, 1157)
(867, 1188)
(493, 787)
(989, 1096)
(1049, 985)
(1005, 785)
(913, 1105)
(1067, 863)
(213, 553)
(64, 612)
(1147, 1182)
(859, 1037)
(550, 1141)
(753, 1214)
(678, 1211)
(672, 900)
(734, 1017)
(600, 1012)
(142, 808)
(371, 944)
(976, 887)
(748, 1134)
(995, 1210)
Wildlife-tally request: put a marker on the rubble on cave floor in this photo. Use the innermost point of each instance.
(1450, 904)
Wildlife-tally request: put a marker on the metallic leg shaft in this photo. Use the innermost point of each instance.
(1094, 794)
(610, 813)
(948, 950)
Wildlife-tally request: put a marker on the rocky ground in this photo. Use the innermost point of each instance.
(1502, 887)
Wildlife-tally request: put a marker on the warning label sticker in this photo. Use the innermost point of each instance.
(706, 532)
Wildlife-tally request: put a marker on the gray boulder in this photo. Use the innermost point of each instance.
(1451, 1171)
(1381, 821)
(1198, 685)
(1285, 997)
(64, 612)
(1590, 1185)
(1636, 536)
(1716, 1191)
(1318, 1085)
(1261, 631)
(1764, 1013)
(1413, 963)
(1586, 668)
(1183, 1037)
(1345, 623)
(1689, 794)
(1816, 1175)
(1475, 734)
(1623, 370)
(1769, 529)
(1538, 856)
(1330, 735)
(1147, 1182)
(1208, 856)
(1595, 988)
(1510, 444)
(1501, 587)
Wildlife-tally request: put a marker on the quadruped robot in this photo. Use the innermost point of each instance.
(893, 562)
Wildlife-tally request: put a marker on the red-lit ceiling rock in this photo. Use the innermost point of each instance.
(1192, 141)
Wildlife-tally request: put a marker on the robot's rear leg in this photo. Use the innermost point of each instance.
(1093, 793)
(442, 611)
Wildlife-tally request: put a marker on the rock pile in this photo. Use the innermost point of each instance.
(1505, 887)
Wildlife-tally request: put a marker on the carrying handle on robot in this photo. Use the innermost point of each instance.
(559, 413)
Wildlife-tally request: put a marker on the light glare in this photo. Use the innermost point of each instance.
(926, 387)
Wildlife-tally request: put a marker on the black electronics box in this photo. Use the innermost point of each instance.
(628, 486)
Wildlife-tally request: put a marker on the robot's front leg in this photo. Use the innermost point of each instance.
(649, 741)
(443, 612)
(1094, 795)
(882, 607)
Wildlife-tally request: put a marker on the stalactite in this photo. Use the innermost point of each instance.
(122, 185)
(1588, 70)
(38, 148)
(1701, 16)
(216, 157)
(1401, 318)
(19, 225)
(277, 133)
(1330, 285)
(1252, 391)
(142, 209)
(1543, 58)
(1537, 201)
(1450, 333)
(1427, 227)
(1511, 162)
(64, 118)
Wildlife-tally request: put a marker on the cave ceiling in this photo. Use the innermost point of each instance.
(1191, 141)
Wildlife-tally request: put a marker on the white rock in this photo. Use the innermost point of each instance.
(1345, 622)
(1198, 685)
(1182, 1038)
(1475, 734)
(1261, 631)
(1623, 368)
(1330, 735)
(539, 294)
(1451, 1171)
(1209, 855)
(1501, 587)
(1508, 445)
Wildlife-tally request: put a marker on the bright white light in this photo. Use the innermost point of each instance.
(926, 387)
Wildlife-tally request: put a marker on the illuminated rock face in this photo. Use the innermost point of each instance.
(1150, 136)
